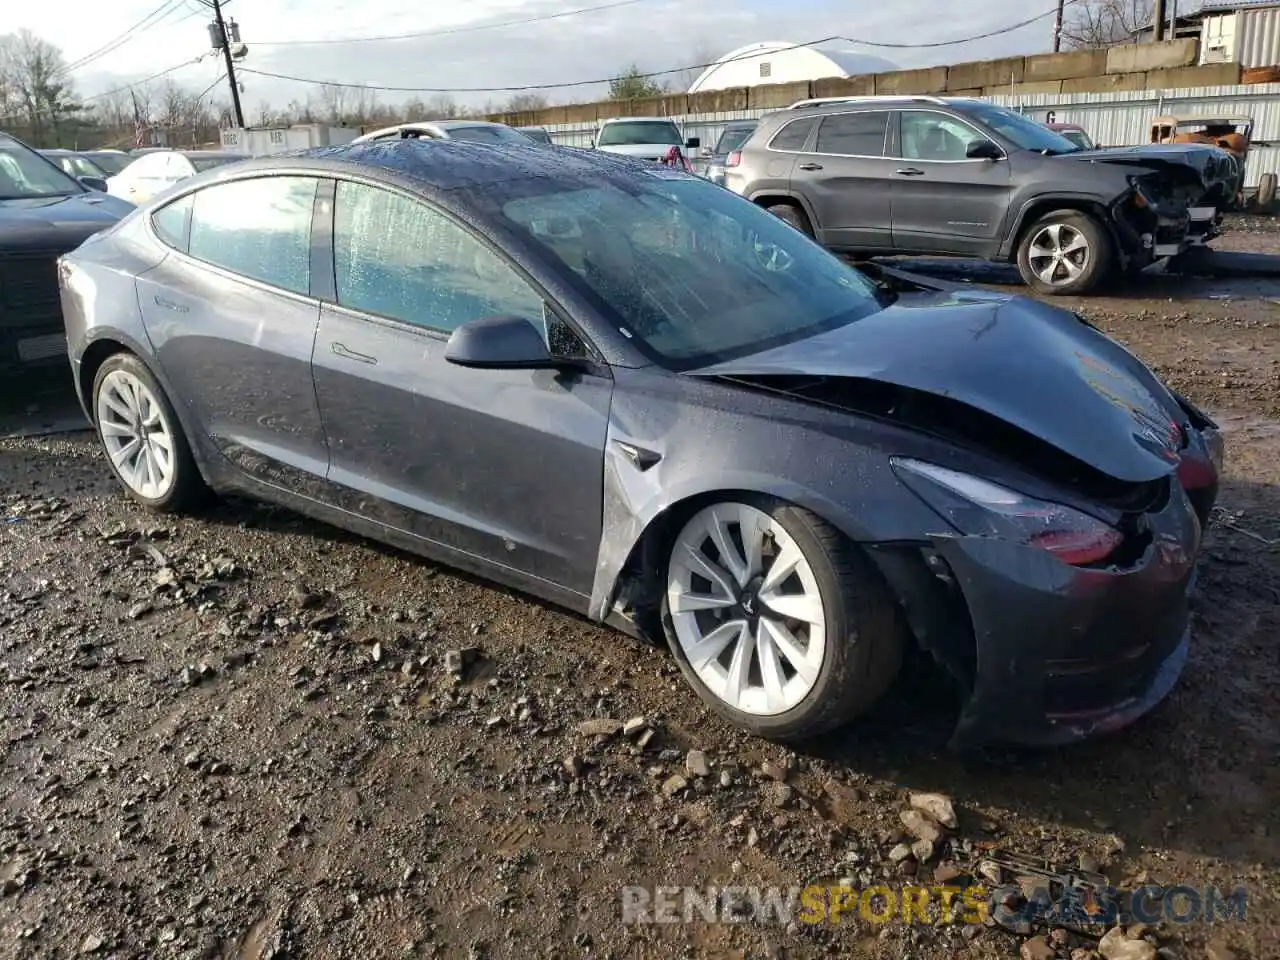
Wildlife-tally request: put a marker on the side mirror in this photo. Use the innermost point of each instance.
(983, 149)
(693, 143)
(501, 342)
(94, 183)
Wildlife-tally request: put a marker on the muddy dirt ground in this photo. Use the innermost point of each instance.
(239, 735)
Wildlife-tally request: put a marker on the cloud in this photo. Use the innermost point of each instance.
(654, 34)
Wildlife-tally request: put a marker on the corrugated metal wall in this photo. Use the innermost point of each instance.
(1259, 37)
(1113, 119)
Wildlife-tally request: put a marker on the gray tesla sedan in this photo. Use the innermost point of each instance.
(632, 393)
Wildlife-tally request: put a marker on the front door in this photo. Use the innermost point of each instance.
(232, 319)
(943, 202)
(846, 177)
(503, 465)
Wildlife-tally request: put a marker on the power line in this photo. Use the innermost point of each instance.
(150, 20)
(121, 89)
(656, 73)
(450, 31)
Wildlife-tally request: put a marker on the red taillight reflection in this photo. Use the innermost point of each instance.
(733, 159)
(1079, 547)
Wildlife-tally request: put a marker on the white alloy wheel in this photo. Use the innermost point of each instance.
(746, 609)
(1059, 254)
(136, 434)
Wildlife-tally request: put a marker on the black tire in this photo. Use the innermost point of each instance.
(791, 215)
(188, 489)
(1097, 266)
(865, 638)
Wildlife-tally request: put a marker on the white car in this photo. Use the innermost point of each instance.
(482, 131)
(153, 173)
(649, 138)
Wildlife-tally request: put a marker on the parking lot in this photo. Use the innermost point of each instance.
(246, 735)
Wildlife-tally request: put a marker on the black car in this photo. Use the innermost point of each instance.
(733, 136)
(961, 177)
(625, 390)
(43, 214)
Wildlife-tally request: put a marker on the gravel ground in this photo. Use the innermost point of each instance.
(246, 735)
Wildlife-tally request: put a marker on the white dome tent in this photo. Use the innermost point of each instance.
(782, 62)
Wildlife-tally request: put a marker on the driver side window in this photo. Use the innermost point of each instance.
(935, 136)
(398, 258)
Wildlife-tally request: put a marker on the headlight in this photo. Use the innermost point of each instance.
(1141, 195)
(980, 508)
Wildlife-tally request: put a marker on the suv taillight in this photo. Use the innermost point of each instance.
(733, 159)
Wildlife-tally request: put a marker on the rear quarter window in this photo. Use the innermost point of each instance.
(794, 135)
(172, 222)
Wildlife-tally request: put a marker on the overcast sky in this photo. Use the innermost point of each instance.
(655, 34)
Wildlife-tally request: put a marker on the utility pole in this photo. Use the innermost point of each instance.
(223, 41)
(1157, 21)
(1057, 26)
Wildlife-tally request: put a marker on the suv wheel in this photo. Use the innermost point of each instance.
(790, 214)
(1065, 252)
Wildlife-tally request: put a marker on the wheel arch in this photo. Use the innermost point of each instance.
(630, 564)
(769, 198)
(1037, 207)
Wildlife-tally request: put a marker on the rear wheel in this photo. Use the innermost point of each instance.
(1064, 253)
(776, 620)
(142, 437)
(791, 214)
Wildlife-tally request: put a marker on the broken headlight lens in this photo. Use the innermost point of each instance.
(1142, 196)
(1216, 447)
(980, 508)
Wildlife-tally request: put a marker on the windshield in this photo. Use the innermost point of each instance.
(208, 163)
(494, 134)
(733, 138)
(24, 173)
(78, 166)
(692, 273)
(111, 163)
(634, 133)
(1021, 131)
(1079, 138)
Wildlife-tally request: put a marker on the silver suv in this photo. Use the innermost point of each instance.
(959, 177)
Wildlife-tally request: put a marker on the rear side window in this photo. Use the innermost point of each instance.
(257, 228)
(172, 221)
(854, 134)
(794, 135)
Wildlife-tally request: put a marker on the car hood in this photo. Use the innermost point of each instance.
(645, 151)
(1036, 367)
(57, 221)
(1209, 163)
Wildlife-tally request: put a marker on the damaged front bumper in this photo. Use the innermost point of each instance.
(1052, 653)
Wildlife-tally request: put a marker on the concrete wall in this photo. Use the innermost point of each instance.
(1148, 66)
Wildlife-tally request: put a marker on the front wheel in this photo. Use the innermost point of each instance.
(1065, 253)
(776, 620)
(142, 437)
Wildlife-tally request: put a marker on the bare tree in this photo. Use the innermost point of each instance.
(526, 103)
(33, 74)
(1094, 24)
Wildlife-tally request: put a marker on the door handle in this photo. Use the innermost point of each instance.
(810, 166)
(340, 350)
(910, 172)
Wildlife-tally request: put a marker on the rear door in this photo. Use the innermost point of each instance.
(233, 321)
(845, 176)
(942, 201)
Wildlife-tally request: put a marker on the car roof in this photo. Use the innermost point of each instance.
(637, 120)
(441, 165)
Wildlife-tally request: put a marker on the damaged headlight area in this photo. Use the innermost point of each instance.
(977, 507)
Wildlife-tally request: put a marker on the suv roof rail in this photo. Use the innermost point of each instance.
(834, 101)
